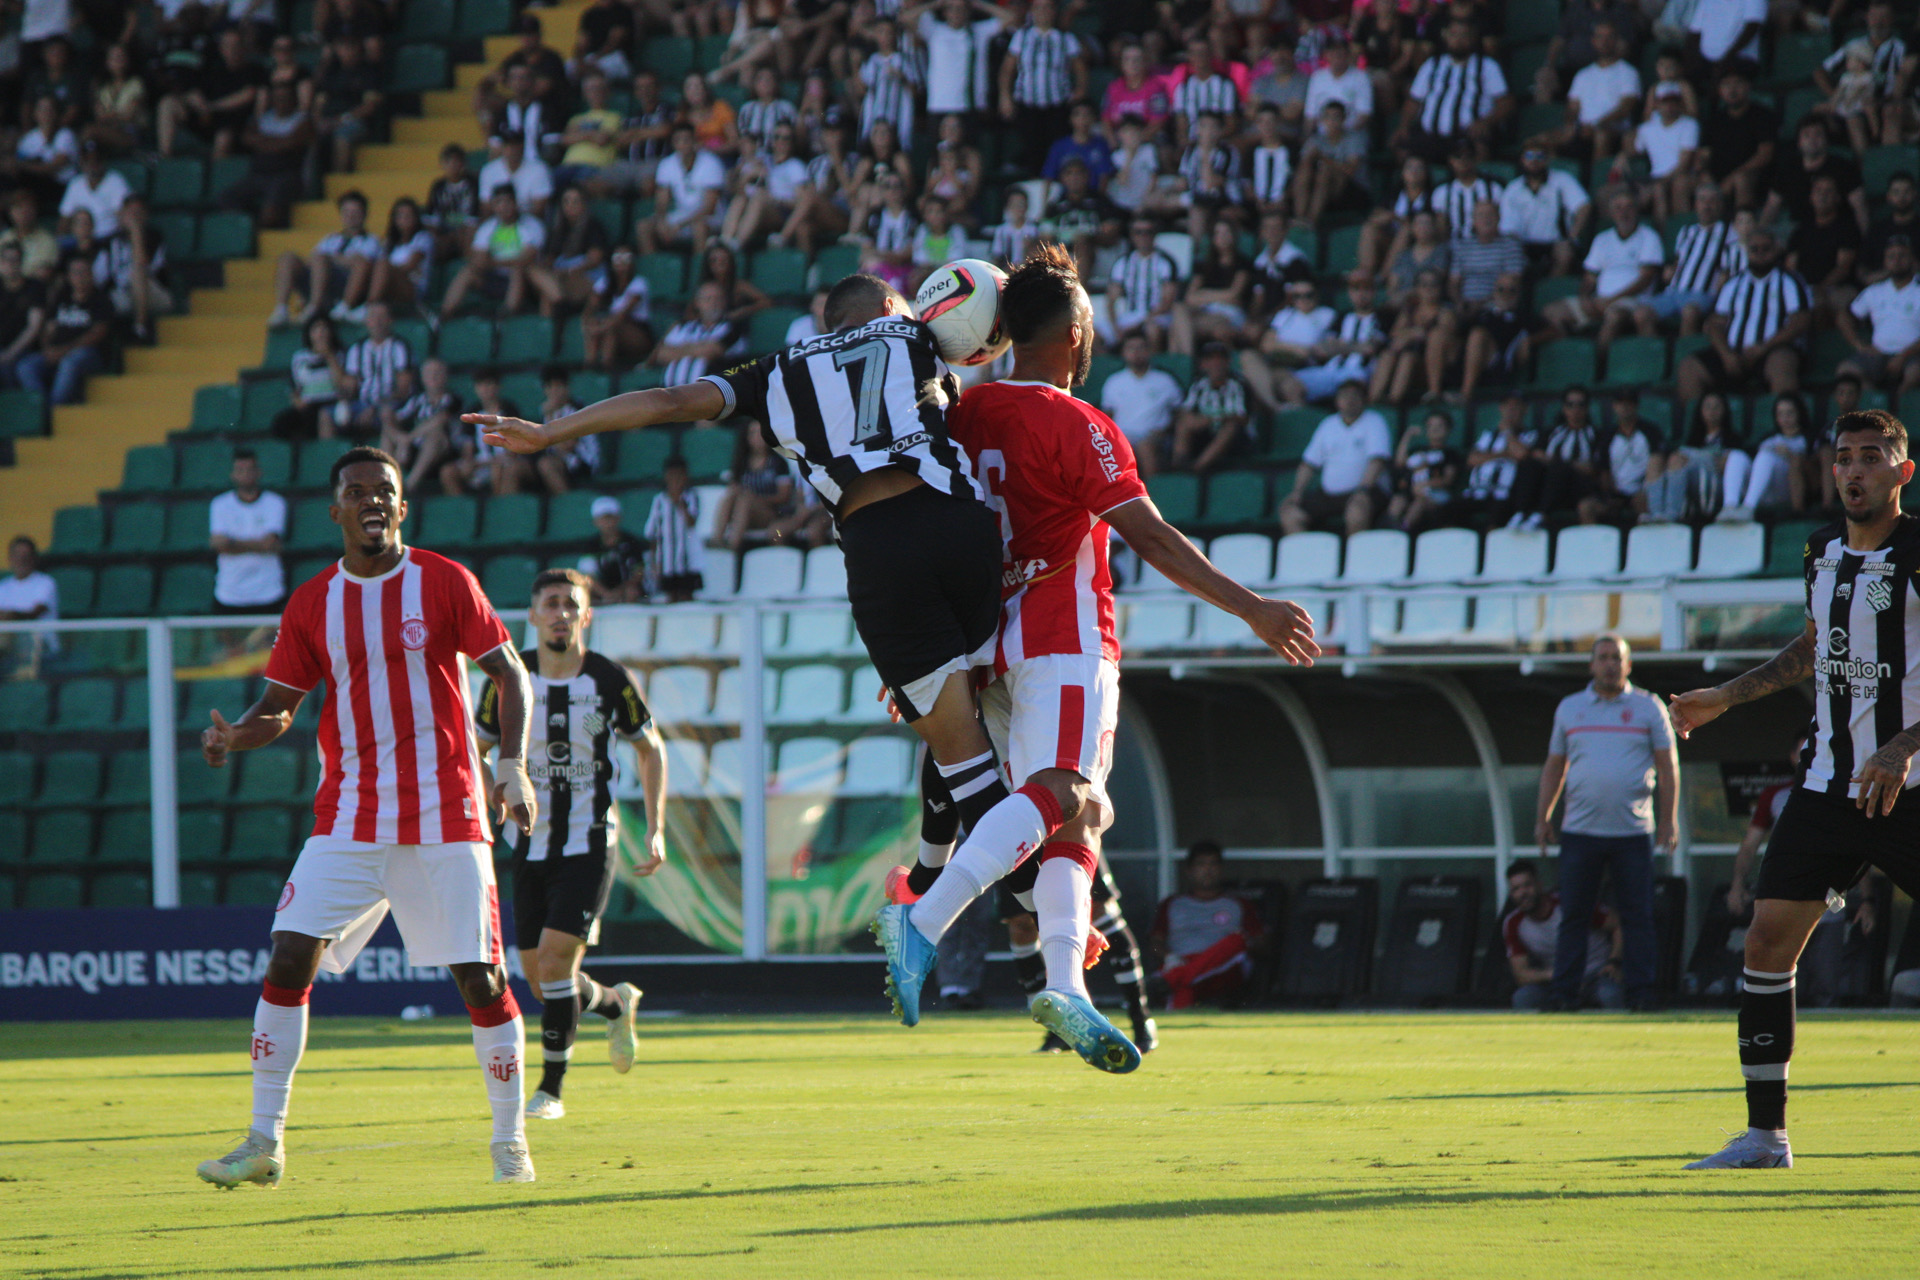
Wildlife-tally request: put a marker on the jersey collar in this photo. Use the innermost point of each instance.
(405, 554)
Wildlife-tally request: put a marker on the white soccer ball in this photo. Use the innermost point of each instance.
(960, 302)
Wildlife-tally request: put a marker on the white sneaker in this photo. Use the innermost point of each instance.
(279, 317)
(340, 312)
(622, 1036)
(512, 1162)
(1735, 515)
(1747, 1151)
(259, 1159)
(544, 1106)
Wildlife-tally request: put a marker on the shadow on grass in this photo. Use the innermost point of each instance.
(1732, 1086)
(371, 1264)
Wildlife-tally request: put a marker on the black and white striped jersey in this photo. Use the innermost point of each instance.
(1360, 327)
(758, 119)
(1702, 252)
(1009, 243)
(1141, 276)
(1866, 670)
(570, 730)
(1454, 201)
(1044, 77)
(688, 333)
(376, 364)
(891, 80)
(1214, 94)
(1405, 205)
(1756, 306)
(1886, 62)
(1272, 169)
(1454, 94)
(1223, 161)
(529, 121)
(670, 528)
(851, 402)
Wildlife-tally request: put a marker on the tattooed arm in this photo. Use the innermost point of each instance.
(1786, 668)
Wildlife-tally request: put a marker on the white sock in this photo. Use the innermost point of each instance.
(935, 855)
(279, 1038)
(1062, 894)
(1010, 830)
(501, 1050)
(1774, 1138)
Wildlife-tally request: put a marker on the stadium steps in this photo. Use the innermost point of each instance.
(222, 333)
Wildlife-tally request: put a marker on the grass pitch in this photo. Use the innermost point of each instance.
(1259, 1145)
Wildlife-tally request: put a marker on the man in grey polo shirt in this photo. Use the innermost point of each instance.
(1613, 749)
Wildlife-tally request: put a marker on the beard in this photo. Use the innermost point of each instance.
(1083, 358)
(556, 646)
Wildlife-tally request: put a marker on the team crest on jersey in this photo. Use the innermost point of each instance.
(593, 722)
(1878, 594)
(413, 634)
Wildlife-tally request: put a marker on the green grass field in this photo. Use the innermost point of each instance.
(1257, 1145)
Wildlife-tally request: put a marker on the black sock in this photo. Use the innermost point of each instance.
(559, 1024)
(1030, 971)
(1123, 957)
(939, 826)
(975, 786)
(595, 998)
(1766, 1045)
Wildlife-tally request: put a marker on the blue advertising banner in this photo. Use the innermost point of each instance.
(193, 962)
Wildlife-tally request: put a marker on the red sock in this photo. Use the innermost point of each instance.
(499, 1013)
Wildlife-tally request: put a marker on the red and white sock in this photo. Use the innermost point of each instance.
(1062, 894)
(1010, 831)
(500, 1043)
(279, 1038)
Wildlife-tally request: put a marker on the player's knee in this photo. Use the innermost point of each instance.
(1069, 789)
(295, 960)
(480, 984)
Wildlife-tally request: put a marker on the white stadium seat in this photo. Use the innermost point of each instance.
(1731, 550)
(1576, 617)
(726, 767)
(1218, 629)
(817, 631)
(1377, 555)
(1446, 555)
(708, 497)
(721, 571)
(879, 766)
(1151, 579)
(726, 697)
(1437, 618)
(1247, 558)
(1494, 619)
(1307, 557)
(863, 707)
(1514, 555)
(807, 765)
(771, 573)
(683, 632)
(679, 695)
(1177, 245)
(686, 767)
(809, 694)
(826, 576)
(1587, 551)
(1640, 619)
(1658, 551)
(728, 643)
(1155, 625)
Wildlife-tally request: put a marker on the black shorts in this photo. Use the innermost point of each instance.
(565, 894)
(1020, 880)
(679, 583)
(923, 577)
(1822, 842)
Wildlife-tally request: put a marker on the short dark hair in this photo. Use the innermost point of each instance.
(859, 294)
(1039, 293)
(244, 454)
(1522, 867)
(1873, 422)
(453, 149)
(1204, 849)
(674, 462)
(561, 577)
(360, 453)
(486, 373)
(20, 538)
(353, 193)
(555, 373)
(1902, 176)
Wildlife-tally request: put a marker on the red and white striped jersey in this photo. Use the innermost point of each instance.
(1051, 466)
(400, 765)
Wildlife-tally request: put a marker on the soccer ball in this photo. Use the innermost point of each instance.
(960, 302)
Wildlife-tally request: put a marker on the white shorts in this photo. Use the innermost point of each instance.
(1056, 712)
(443, 897)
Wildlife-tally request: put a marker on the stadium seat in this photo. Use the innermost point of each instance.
(510, 519)
(826, 575)
(178, 183)
(23, 706)
(708, 498)
(467, 341)
(199, 889)
(129, 773)
(195, 783)
(479, 18)
(1636, 361)
(1236, 497)
(863, 702)
(16, 779)
(74, 583)
(1247, 558)
(1216, 629)
(1639, 617)
(187, 528)
(726, 767)
(508, 580)
(767, 330)
(1303, 558)
(666, 273)
(807, 766)
(206, 465)
(203, 833)
(643, 453)
(1879, 164)
(1495, 620)
(217, 408)
(1730, 550)
(686, 767)
(816, 632)
(726, 697)
(1177, 495)
(720, 572)
(1446, 555)
(1786, 547)
(261, 833)
(1563, 364)
(879, 766)
(1587, 551)
(272, 776)
(834, 263)
(771, 573)
(450, 520)
(670, 56)
(13, 842)
(1575, 617)
(1155, 624)
(126, 835)
(224, 236)
(129, 588)
(525, 340)
(23, 413)
(418, 68)
(1431, 618)
(253, 889)
(85, 704)
(708, 451)
(1376, 555)
(1658, 551)
(46, 891)
(683, 632)
(69, 778)
(186, 590)
(311, 526)
(809, 694)
(261, 402)
(60, 837)
(1514, 555)
(678, 695)
(780, 273)
(140, 528)
(78, 531)
(148, 468)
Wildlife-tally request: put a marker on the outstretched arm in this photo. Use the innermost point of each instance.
(1281, 624)
(264, 721)
(690, 403)
(1788, 667)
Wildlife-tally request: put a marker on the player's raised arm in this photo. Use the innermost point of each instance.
(693, 402)
(512, 790)
(1784, 669)
(264, 721)
(1284, 626)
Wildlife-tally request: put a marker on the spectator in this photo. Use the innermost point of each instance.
(1201, 88)
(935, 242)
(766, 111)
(813, 322)
(1388, 229)
(575, 252)
(1142, 285)
(955, 43)
(371, 366)
(1669, 78)
(618, 326)
(808, 35)
(1347, 351)
(46, 157)
(527, 175)
(616, 561)
(453, 205)
(39, 250)
(706, 335)
(955, 174)
(341, 262)
(216, 102)
(1622, 266)
(1212, 424)
(1457, 95)
(546, 74)
(1270, 178)
(1725, 36)
(1670, 140)
(1760, 320)
(1138, 95)
(1277, 263)
(1427, 250)
(674, 561)
(759, 493)
(75, 341)
(1340, 81)
(642, 142)
(1790, 187)
(1427, 470)
(769, 192)
(571, 463)
(1546, 210)
(1082, 219)
(348, 103)
(1454, 199)
(58, 78)
(1901, 220)
(1082, 143)
(1736, 139)
(1705, 256)
(505, 260)
(1633, 458)
(1291, 342)
(1201, 940)
(1496, 459)
(1136, 168)
(1690, 487)
(1215, 305)
(1621, 791)
(1482, 257)
(1209, 176)
(1141, 400)
(1276, 82)
(280, 137)
(476, 466)
(1499, 335)
(691, 180)
(744, 299)
(1855, 99)
(95, 188)
(591, 137)
(1566, 473)
(1824, 250)
(604, 41)
(1776, 475)
(886, 83)
(1531, 932)
(1891, 307)
(1603, 102)
(1043, 71)
(1348, 456)
(402, 274)
(121, 112)
(27, 595)
(1333, 167)
(246, 526)
(715, 127)
(1420, 345)
(23, 310)
(1573, 46)
(133, 263)
(1890, 67)
(420, 428)
(318, 372)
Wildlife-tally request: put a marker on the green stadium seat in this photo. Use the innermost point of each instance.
(61, 837)
(1786, 547)
(1797, 56)
(418, 68)
(187, 526)
(13, 841)
(23, 707)
(86, 703)
(261, 833)
(642, 453)
(450, 520)
(69, 778)
(612, 217)
(281, 345)
(466, 341)
(272, 776)
(670, 56)
(666, 274)
(634, 506)
(216, 408)
(225, 235)
(708, 451)
(523, 389)
(1236, 497)
(510, 519)
(139, 177)
(227, 694)
(126, 835)
(316, 463)
(591, 386)
(1562, 364)
(767, 330)
(302, 570)
(835, 263)
(126, 590)
(206, 466)
(643, 378)
(261, 402)
(203, 832)
(710, 51)
(180, 232)
(570, 517)
(23, 413)
(17, 772)
(1636, 361)
(781, 273)
(122, 651)
(1554, 288)
(253, 889)
(1292, 430)
(1686, 344)
(427, 20)
(75, 585)
(199, 889)
(276, 462)
(525, 340)
(1177, 496)
(1181, 367)
(508, 580)
(311, 527)
(186, 590)
(194, 782)
(79, 531)
(179, 182)
(139, 528)
(148, 469)
(51, 890)
(573, 345)
(481, 18)
(1343, 249)
(1877, 167)
(129, 773)
(223, 173)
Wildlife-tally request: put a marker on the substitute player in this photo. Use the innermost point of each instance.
(563, 867)
(1862, 648)
(1059, 472)
(400, 820)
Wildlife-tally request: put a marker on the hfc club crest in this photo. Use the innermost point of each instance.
(1878, 594)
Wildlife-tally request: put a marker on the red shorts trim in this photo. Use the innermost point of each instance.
(1073, 724)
